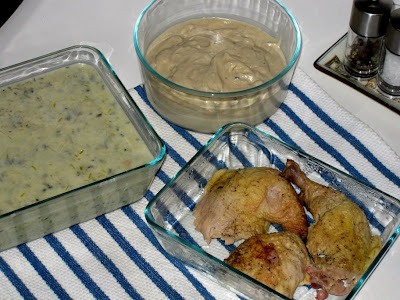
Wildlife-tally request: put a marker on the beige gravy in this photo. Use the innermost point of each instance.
(216, 55)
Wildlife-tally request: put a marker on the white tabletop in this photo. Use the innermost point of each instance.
(42, 26)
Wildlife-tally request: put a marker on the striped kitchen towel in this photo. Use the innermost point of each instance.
(116, 256)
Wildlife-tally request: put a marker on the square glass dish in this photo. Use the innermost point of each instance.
(239, 145)
(73, 144)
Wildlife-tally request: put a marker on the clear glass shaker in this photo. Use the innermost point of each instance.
(368, 23)
(389, 69)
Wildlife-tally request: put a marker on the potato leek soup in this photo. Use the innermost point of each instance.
(59, 131)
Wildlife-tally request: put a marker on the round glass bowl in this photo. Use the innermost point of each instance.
(205, 111)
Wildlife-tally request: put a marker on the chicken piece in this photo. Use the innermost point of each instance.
(340, 240)
(277, 260)
(238, 204)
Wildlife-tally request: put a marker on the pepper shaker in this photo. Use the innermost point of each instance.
(389, 69)
(367, 28)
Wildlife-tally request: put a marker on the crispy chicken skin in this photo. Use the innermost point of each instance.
(340, 240)
(278, 260)
(240, 203)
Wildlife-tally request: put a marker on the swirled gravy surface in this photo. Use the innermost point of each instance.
(216, 55)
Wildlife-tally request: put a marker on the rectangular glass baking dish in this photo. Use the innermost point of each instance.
(93, 199)
(239, 145)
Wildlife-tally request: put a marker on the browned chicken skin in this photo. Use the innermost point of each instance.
(238, 204)
(340, 240)
(277, 260)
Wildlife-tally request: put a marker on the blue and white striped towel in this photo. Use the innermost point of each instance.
(116, 256)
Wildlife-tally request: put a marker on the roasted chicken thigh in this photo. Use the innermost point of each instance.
(277, 260)
(340, 240)
(240, 203)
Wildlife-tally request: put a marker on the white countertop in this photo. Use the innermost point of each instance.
(42, 26)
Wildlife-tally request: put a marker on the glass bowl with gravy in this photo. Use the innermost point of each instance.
(208, 63)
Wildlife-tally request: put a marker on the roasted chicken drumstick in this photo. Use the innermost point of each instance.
(238, 204)
(340, 240)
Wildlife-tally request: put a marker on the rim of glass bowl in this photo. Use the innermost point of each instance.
(288, 67)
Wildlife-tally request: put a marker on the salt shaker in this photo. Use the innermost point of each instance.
(389, 70)
(367, 28)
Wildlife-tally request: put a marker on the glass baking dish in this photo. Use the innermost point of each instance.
(238, 145)
(97, 195)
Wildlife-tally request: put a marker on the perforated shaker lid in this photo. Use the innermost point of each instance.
(392, 38)
(369, 18)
